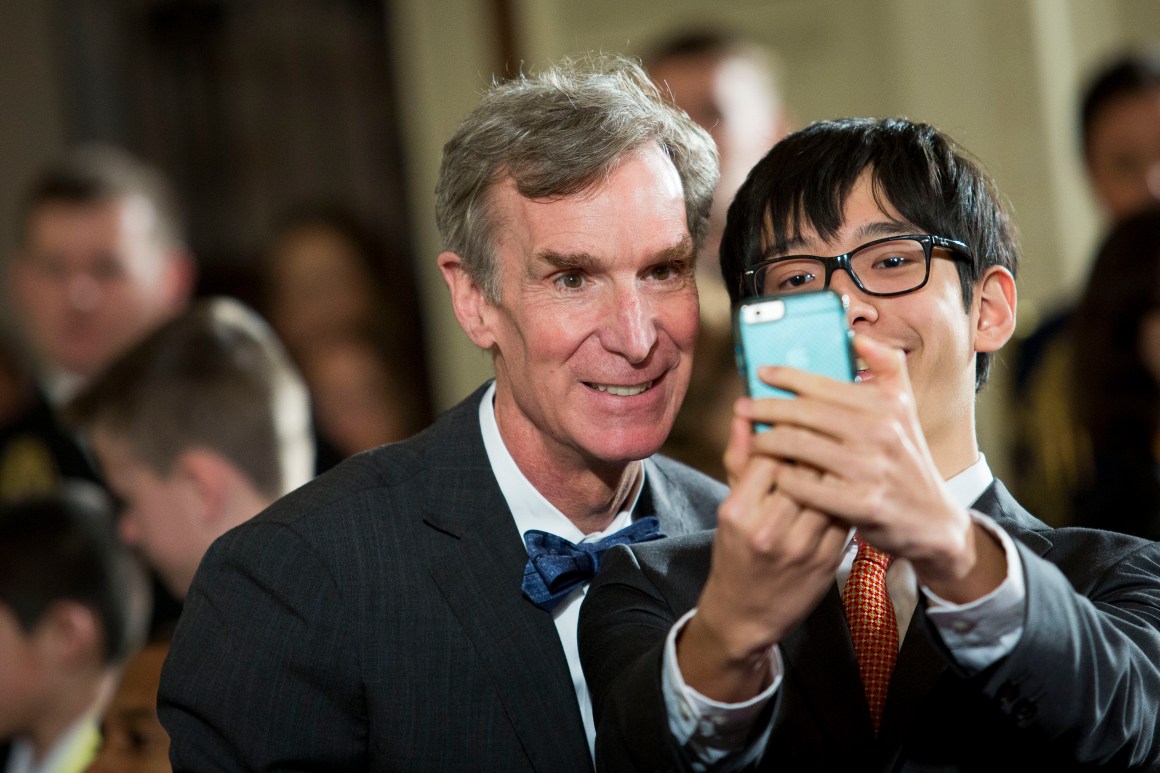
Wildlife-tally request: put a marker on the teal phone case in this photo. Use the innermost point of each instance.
(807, 331)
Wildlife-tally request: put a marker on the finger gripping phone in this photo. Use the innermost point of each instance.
(807, 331)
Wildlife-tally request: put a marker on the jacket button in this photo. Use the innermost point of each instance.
(1023, 711)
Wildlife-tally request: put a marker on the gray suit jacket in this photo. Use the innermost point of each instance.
(373, 619)
(1083, 683)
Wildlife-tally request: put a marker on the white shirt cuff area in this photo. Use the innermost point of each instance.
(709, 730)
(984, 631)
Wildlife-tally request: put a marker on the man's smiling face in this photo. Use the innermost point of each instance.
(594, 332)
(930, 324)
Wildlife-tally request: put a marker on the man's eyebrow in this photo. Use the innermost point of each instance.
(890, 227)
(682, 250)
(865, 232)
(136, 713)
(573, 261)
(565, 261)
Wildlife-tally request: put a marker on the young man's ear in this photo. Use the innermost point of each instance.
(995, 300)
(467, 300)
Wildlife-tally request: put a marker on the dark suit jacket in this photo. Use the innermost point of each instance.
(374, 620)
(37, 452)
(1083, 683)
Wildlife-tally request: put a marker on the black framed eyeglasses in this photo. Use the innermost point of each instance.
(894, 265)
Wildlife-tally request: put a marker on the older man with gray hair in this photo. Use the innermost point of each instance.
(416, 608)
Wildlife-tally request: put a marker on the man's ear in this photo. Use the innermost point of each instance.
(207, 478)
(467, 300)
(996, 299)
(70, 631)
(179, 278)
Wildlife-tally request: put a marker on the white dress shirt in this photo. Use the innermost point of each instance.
(532, 511)
(977, 635)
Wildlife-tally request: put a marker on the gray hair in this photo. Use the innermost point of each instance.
(558, 134)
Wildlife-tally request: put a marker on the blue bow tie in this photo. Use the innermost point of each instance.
(556, 566)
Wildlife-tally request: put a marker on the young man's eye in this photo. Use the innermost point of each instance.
(892, 261)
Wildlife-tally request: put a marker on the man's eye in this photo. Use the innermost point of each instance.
(795, 281)
(663, 271)
(571, 281)
(108, 271)
(50, 268)
(893, 261)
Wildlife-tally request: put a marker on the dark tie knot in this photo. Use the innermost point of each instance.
(557, 566)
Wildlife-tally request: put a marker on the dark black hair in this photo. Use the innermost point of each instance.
(96, 174)
(695, 42)
(63, 547)
(804, 181)
(1125, 76)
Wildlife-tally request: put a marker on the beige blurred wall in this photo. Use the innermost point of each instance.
(1002, 76)
(32, 126)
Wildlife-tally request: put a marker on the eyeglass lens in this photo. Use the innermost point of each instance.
(895, 266)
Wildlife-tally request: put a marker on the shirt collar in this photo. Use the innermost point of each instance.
(530, 509)
(969, 485)
(966, 487)
(60, 386)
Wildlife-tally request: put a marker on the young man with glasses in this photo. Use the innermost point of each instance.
(961, 633)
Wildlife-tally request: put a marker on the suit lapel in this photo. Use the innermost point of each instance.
(664, 499)
(920, 661)
(918, 668)
(998, 503)
(826, 675)
(479, 574)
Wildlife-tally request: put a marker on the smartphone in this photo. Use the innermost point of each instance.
(808, 331)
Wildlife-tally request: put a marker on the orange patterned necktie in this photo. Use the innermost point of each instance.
(873, 627)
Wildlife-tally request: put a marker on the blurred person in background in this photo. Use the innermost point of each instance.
(338, 299)
(197, 428)
(1115, 338)
(730, 87)
(358, 397)
(101, 261)
(1120, 134)
(73, 607)
(132, 737)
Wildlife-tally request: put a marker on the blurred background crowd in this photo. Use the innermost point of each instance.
(212, 208)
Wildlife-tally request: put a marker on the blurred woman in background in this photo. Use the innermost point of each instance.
(1116, 371)
(348, 313)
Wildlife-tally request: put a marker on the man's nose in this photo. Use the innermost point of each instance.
(857, 303)
(631, 331)
(83, 291)
(128, 531)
